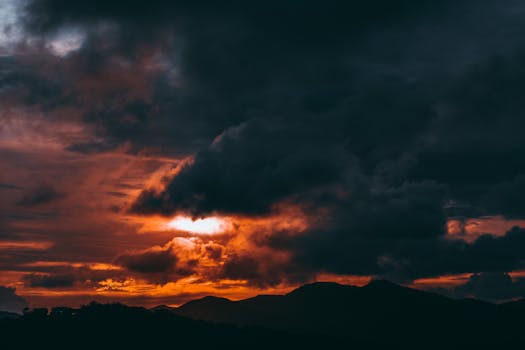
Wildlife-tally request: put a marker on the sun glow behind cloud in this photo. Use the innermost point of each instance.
(206, 226)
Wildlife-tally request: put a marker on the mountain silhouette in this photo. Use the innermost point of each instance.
(379, 310)
(120, 326)
(380, 315)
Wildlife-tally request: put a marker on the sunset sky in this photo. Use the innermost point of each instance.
(153, 152)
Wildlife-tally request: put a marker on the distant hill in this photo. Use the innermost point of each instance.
(379, 310)
(118, 326)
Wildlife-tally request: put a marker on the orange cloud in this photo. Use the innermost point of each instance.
(445, 281)
(471, 229)
(22, 245)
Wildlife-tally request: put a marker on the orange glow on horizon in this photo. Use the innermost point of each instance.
(445, 281)
(351, 280)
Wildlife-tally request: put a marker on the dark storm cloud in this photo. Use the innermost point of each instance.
(242, 268)
(254, 166)
(401, 123)
(49, 281)
(158, 264)
(40, 195)
(222, 84)
(486, 254)
(492, 286)
(25, 83)
(262, 272)
(48, 14)
(364, 233)
(267, 58)
(507, 198)
(474, 144)
(11, 302)
(380, 113)
(150, 261)
(404, 258)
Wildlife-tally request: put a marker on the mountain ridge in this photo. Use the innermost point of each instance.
(333, 309)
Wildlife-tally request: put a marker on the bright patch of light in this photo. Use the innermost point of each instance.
(206, 226)
(66, 42)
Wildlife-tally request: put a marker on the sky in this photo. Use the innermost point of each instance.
(154, 152)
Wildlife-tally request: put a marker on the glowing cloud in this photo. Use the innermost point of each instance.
(30, 245)
(207, 226)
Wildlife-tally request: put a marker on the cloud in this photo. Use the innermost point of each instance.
(154, 260)
(262, 270)
(490, 286)
(49, 281)
(343, 112)
(42, 194)
(161, 264)
(242, 268)
(141, 106)
(48, 14)
(11, 302)
(250, 173)
(402, 258)
(487, 253)
(9, 187)
(507, 198)
(379, 148)
(361, 230)
(473, 145)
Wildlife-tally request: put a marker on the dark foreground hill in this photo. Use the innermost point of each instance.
(116, 326)
(380, 310)
(380, 315)
(7, 315)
